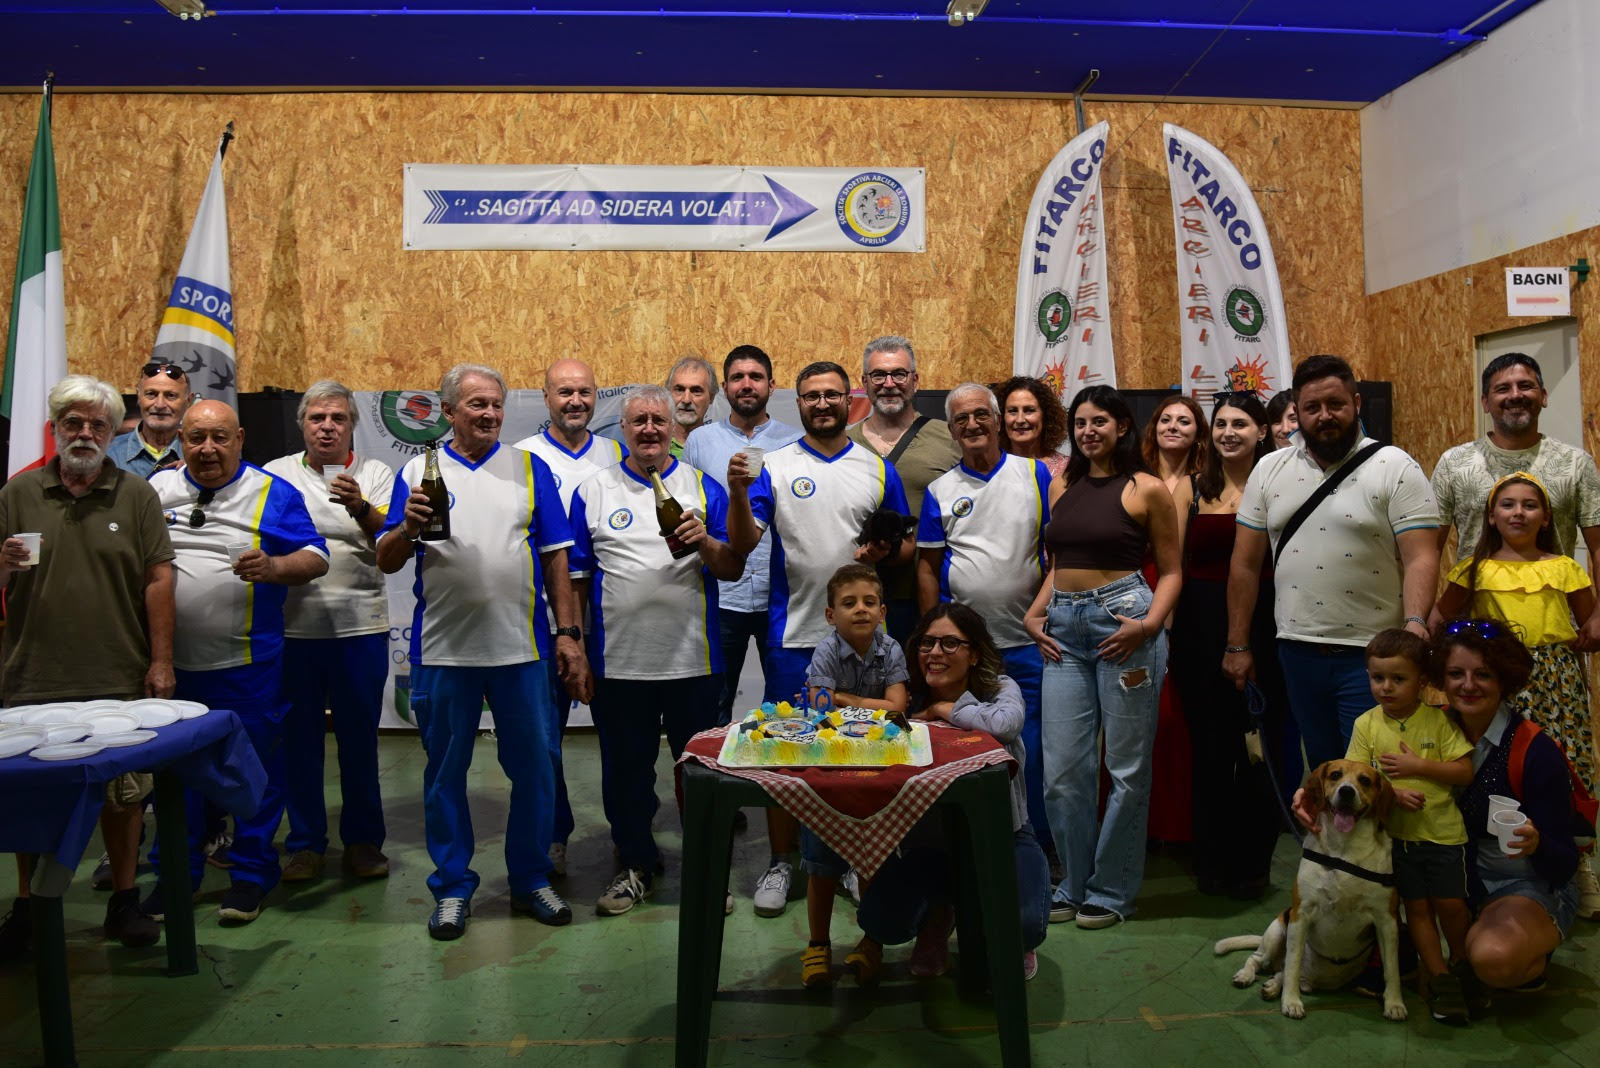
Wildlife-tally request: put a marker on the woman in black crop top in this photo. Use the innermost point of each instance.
(1234, 813)
(1099, 628)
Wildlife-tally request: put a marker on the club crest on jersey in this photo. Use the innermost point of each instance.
(621, 519)
(802, 487)
(962, 508)
(172, 517)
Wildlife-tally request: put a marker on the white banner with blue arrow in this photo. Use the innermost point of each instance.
(751, 209)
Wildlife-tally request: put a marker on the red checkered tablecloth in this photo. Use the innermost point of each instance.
(862, 813)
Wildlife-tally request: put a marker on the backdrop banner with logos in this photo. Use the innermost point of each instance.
(732, 209)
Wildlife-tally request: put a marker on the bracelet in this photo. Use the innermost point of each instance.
(1418, 620)
(1236, 649)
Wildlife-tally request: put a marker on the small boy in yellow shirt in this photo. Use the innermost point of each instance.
(1423, 754)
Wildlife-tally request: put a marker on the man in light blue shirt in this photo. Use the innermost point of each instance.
(153, 445)
(747, 383)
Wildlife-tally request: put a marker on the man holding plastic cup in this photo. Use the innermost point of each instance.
(92, 616)
(228, 647)
(336, 641)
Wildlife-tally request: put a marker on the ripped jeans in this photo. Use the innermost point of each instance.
(1083, 695)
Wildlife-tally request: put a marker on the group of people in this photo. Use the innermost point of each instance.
(965, 569)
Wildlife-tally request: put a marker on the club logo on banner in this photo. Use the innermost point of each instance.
(1062, 333)
(409, 417)
(1230, 305)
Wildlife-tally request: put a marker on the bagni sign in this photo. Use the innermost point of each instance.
(1538, 291)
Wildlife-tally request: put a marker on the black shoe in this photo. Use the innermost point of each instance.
(1370, 983)
(127, 923)
(16, 933)
(741, 822)
(241, 904)
(1446, 1001)
(1474, 991)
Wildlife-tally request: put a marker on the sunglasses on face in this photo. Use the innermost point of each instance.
(159, 367)
(197, 518)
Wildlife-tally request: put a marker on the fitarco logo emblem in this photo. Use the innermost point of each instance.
(414, 417)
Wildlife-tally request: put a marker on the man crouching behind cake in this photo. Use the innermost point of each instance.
(479, 632)
(655, 650)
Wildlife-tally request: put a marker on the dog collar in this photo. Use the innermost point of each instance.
(1340, 864)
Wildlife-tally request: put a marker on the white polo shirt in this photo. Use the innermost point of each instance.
(1339, 581)
(653, 617)
(815, 506)
(223, 621)
(569, 469)
(991, 528)
(350, 599)
(480, 595)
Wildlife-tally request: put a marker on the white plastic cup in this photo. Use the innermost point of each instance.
(31, 541)
(1500, 803)
(331, 472)
(1505, 824)
(754, 459)
(236, 550)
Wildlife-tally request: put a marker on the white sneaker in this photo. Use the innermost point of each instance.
(558, 858)
(772, 889)
(627, 889)
(850, 883)
(1588, 889)
(727, 907)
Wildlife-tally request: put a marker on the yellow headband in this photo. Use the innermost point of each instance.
(1525, 476)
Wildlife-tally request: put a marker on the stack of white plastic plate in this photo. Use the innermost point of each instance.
(66, 751)
(58, 733)
(60, 712)
(190, 709)
(17, 714)
(109, 721)
(121, 738)
(155, 712)
(16, 740)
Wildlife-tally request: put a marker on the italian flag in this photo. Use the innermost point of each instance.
(36, 340)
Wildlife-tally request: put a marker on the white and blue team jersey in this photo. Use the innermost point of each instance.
(480, 595)
(223, 621)
(815, 506)
(991, 528)
(653, 617)
(569, 469)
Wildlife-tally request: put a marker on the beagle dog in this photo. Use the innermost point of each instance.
(1343, 894)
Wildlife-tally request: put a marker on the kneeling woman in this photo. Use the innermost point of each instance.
(1524, 904)
(956, 680)
(1099, 628)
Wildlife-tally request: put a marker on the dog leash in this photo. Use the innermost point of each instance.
(1340, 864)
(1256, 703)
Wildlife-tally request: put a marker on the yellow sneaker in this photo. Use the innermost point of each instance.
(867, 960)
(816, 967)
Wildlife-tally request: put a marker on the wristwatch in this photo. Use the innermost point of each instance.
(575, 633)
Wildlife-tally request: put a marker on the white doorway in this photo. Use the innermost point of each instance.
(1555, 345)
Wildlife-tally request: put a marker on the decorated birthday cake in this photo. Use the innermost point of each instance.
(784, 735)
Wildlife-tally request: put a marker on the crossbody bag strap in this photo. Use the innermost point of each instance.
(1328, 485)
(905, 440)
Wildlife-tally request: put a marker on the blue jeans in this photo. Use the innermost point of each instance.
(346, 676)
(629, 716)
(918, 875)
(1083, 695)
(1328, 692)
(448, 704)
(786, 672)
(1025, 665)
(736, 630)
(561, 711)
(253, 691)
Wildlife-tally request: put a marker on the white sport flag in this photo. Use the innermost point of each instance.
(1063, 326)
(36, 342)
(197, 328)
(1230, 305)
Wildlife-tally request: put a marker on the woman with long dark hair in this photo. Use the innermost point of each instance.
(955, 681)
(1099, 627)
(1235, 817)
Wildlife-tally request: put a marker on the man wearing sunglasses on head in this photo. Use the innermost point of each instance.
(241, 536)
(153, 445)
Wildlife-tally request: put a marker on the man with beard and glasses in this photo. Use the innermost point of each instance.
(1364, 559)
(153, 445)
(572, 453)
(919, 448)
(815, 496)
(241, 536)
(692, 382)
(92, 619)
(1513, 396)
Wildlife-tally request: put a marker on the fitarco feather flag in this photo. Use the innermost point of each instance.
(1230, 306)
(197, 327)
(1062, 332)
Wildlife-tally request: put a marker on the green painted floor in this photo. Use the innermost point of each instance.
(340, 973)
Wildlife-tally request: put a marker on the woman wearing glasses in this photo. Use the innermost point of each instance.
(956, 681)
(1099, 629)
(1234, 816)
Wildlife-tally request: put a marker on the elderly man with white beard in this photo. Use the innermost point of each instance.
(93, 617)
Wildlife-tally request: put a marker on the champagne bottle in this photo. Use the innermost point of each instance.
(669, 514)
(438, 525)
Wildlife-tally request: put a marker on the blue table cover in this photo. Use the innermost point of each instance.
(52, 807)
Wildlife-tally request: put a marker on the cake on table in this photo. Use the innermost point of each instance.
(785, 735)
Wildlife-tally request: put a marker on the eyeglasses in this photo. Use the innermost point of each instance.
(948, 642)
(197, 518)
(831, 397)
(878, 378)
(161, 367)
(74, 424)
(982, 415)
(1482, 628)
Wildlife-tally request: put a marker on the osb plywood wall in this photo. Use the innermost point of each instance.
(1424, 334)
(322, 286)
